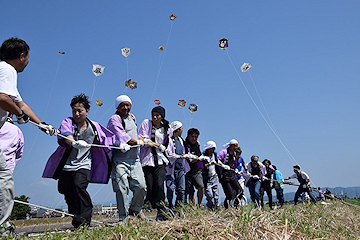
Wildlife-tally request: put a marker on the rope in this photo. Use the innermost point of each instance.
(54, 210)
(92, 144)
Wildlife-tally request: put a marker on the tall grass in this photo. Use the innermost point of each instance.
(303, 221)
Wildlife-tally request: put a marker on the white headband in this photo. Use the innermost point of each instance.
(120, 99)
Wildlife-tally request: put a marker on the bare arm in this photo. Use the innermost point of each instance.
(23, 106)
(7, 104)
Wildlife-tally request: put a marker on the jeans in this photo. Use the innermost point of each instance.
(300, 190)
(170, 188)
(128, 175)
(254, 189)
(280, 195)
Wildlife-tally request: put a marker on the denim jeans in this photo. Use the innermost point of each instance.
(254, 189)
(177, 184)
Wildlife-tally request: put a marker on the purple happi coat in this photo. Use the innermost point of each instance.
(101, 157)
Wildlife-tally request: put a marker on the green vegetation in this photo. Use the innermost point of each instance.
(353, 201)
(303, 221)
(20, 210)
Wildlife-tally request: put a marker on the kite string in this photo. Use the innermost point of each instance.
(161, 61)
(262, 103)
(127, 69)
(249, 95)
(94, 86)
(46, 109)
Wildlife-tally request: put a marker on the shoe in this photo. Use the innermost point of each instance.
(124, 219)
(161, 217)
(139, 215)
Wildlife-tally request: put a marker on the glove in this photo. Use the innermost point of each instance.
(202, 158)
(168, 152)
(192, 156)
(48, 129)
(80, 144)
(185, 156)
(162, 148)
(148, 143)
(226, 167)
(238, 172)
(304, 186)
(140, 143)
(256, 177)
(22, 118)
(124, 147)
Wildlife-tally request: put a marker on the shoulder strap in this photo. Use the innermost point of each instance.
(123, 122)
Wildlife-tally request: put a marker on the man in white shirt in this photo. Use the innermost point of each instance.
(14, 56)
(304, 181)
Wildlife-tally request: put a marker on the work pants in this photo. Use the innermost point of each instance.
(155, 178)
(6, 190)
(128, 175)
(73, 185)
(265, 187)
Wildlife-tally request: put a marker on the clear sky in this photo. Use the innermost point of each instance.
(305, 66)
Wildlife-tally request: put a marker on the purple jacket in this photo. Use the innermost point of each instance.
(101, 157)
(222, 157)
(146, 155)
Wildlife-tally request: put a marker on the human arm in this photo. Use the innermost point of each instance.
(7, 104)
(26, 109)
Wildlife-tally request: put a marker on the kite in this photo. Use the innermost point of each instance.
(157, 102)
(193, 108)
(172, 17)
(245, 67)
(223, 43)
(98, 70)
(161, 48)
(131, 84)
(99, 103)
(125, 52)
(61, 53)
(181, 103)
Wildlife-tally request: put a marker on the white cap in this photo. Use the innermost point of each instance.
(120, 99)
(232, 141)
(209, 144)
(175, 125)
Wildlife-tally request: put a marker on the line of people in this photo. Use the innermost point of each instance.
(146, 159)
(143, 160)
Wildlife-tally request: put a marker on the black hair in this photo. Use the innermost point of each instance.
(191, 131)
(238, 150)
(12, 48)
(266, 160)
(296, 167)
(81, 98)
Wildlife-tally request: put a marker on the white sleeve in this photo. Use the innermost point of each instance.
(293, 176)
(305, 176)
(8, 82)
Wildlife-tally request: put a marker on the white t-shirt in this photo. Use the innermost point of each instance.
(8, 85)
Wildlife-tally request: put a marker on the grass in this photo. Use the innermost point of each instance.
(353, 201)
(303, 221)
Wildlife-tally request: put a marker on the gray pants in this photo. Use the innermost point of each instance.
(6, 190)
(212, 192)
(128, 175)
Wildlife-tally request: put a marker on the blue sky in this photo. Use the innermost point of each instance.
(304, 56)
